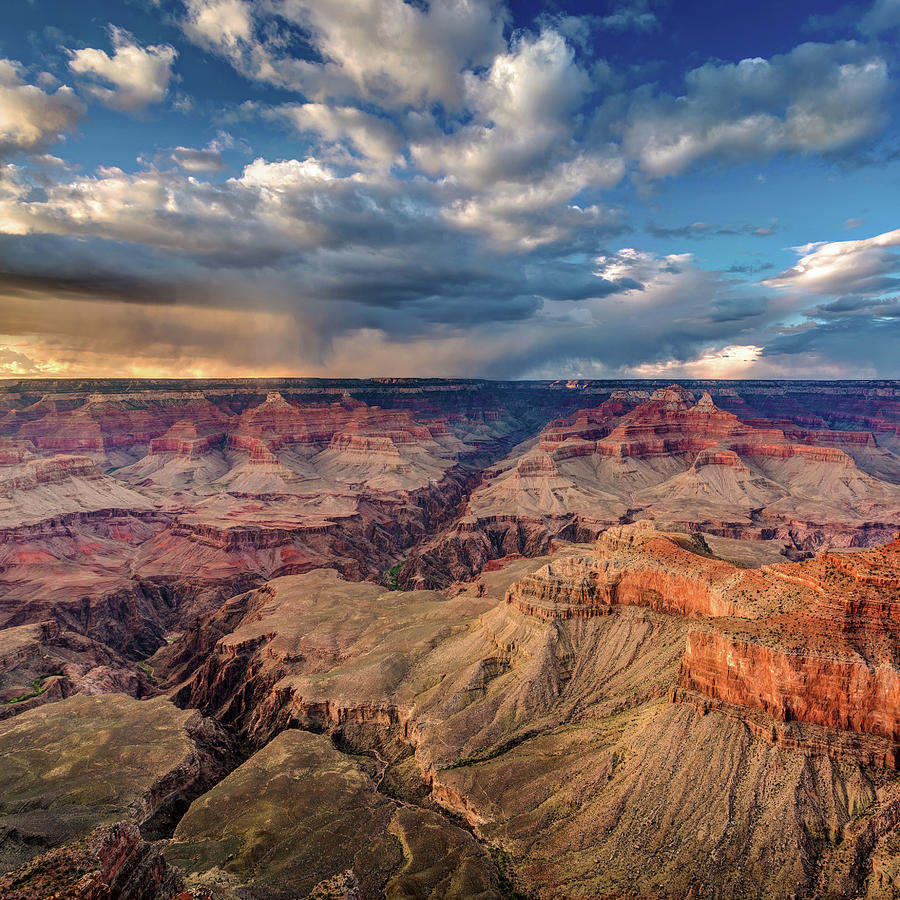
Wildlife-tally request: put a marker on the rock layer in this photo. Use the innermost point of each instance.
(677, 460)
(225, 548)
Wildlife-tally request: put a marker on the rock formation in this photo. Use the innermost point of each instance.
(649, 645)
(674, 460)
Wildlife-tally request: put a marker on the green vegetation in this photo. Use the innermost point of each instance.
(507, 885)
(463, 761)
(37, 687)
(148, 671)
(390, 577)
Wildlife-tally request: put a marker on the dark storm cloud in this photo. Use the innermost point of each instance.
(699, 230)
(737, 309)
(445, 186)
(113, 287)
(835, 344)
(888, 308)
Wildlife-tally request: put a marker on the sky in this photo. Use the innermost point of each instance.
(541, 189)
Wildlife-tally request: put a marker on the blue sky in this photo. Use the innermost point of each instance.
(463, 187)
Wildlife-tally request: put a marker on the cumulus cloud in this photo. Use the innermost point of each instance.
(130, 79)
(30, 118)
(12, 362)
(508, 125)
(395, 52)
(195, 160)
(530, 214)
(883, 16)
(479, 108)
(368, 136)
(823, 98)
(870, 265)
(524, 113)
(219, 24)
(269, 210)
(401, 51)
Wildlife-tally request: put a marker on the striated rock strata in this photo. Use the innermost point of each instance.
(676, 460)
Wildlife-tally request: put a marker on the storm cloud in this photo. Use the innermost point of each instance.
(452, 193)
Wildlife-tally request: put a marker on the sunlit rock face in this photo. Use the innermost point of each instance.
(674, 459)
(399, 638)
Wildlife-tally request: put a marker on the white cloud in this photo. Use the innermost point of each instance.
(370, 136)
(525, 109)
(218, 24)
(820, 98)
(271, 208)
(861, 266)
(395, 52)
(884, 15)
(30, 118)
(399, 52)
(138, 75)
(13, 362)
(283, 175)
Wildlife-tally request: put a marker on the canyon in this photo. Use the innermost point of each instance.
(446, 638)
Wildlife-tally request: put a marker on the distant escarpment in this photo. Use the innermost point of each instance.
(676, 460)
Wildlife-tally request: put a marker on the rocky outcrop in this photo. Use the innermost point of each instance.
(677, 460)
(113, 862)
(187, 439)
(719, 458)
(73, 765)
(637, 566)
(816, 642)
(48, 471)
(835, 662)
(792, 685)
